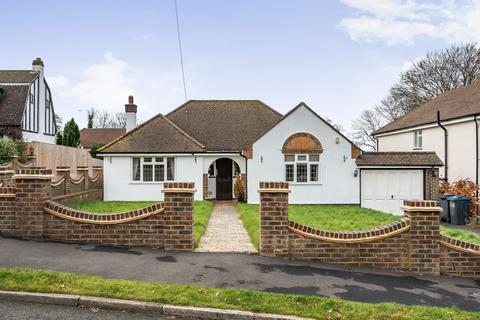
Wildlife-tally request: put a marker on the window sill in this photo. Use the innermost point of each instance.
(305, 183)
(148, 182)
(418, 148)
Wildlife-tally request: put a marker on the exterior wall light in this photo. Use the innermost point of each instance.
(355, 173)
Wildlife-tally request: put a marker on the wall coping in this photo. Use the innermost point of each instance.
(8, 195)
(273, 190)
(179, 190)
(7, 171)
(421, 209)
(33, 176)
(67, 213)
(460, 245)
(382, 232)
(59, 182)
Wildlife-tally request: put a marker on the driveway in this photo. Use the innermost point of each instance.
(243, 271)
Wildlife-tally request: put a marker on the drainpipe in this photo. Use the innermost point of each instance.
(446, 144)
(476, 156)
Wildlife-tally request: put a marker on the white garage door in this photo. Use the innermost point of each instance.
(385, 190)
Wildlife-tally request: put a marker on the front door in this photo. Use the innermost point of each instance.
(224, 179)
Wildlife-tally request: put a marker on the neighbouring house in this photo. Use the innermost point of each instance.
(447, 125)
(90, 137)
(212, 142)
(215, 142)
(26, 105)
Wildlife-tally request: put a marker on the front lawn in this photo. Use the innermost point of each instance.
(336, 218)
(203, 210)
(237, 299)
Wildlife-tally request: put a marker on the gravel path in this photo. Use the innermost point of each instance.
(225, 232)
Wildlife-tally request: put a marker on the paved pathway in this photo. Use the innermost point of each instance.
(225, 231)
(245, 271)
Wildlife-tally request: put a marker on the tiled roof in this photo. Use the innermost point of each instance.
(91, 136)
(12, 104)
(399, 159)
(225, 125)
(17, 76)
(460, 102)
(157, 135)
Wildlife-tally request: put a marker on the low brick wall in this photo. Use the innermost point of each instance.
(412, 244)
(27, 211)
(142, 227)
(68, 189)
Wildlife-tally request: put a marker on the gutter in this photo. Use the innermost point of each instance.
(445, 144)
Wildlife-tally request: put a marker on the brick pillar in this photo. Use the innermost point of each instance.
(424, 246)
(7, 211)
(274, 218)
(205, 186)
(6, 178)
(432, 184)
(15, 162)
(83, 170)
(178, 216)
(32, 189)
(65, 173)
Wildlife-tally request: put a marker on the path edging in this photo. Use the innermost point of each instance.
(132, 305)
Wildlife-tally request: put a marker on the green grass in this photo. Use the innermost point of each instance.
(237, 299)
(336, 218)
(203, 210)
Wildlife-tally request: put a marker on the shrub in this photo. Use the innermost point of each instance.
(239, 189)
(70, 135)
(10, 148)
(94, 150)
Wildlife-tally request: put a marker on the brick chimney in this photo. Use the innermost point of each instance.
(131, 111)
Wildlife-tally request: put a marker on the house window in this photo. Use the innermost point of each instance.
(302, 168)
(153, 169)
(418, 139)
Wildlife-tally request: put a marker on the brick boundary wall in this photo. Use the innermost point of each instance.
(412, 244)
(27, 211)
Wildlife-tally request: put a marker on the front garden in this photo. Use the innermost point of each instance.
(203, 210)
(336, 218)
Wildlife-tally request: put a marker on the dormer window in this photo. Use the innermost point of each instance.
(418, 139)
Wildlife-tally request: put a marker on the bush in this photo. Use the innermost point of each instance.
(10, 148)
(238, 188)
(94, 150)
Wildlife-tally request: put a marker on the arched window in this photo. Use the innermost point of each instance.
(302, 158)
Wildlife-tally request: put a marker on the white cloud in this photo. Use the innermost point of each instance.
(403, 21)
(107, 84)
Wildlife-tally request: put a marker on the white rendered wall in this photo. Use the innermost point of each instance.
(34, 136)
(461, 147)
(337, 181)
(118, 184)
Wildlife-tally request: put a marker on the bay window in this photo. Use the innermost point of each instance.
(153, 169)
(302, 168)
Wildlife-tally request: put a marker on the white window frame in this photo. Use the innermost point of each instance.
(295, 162)
(418, 140)
(153, 163)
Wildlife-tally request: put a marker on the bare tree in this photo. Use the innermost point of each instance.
(436, 73)
(363, 127)
(120, 120)
(104, 119)
(337, 126)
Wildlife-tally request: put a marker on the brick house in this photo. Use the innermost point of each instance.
(212, 142)
(26, 105)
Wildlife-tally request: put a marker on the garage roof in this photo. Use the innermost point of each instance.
(399, 159)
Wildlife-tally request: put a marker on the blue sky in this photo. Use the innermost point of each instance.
(340, 57)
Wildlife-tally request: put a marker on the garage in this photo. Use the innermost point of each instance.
(389, 178)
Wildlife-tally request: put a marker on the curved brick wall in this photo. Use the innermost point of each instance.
(142, 227)
(459, 258)
(350, 237)
(383, 247)
(65, 212)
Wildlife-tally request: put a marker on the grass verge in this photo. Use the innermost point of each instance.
(203, 210)
(336, 218)
(237, 299)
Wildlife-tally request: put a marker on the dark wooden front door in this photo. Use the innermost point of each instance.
(224, 179)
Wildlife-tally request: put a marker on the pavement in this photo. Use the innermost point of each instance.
(225, 231)
(28, 311)
(246, 271)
